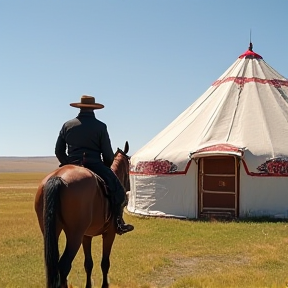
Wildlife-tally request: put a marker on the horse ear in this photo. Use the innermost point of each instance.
(126, 148)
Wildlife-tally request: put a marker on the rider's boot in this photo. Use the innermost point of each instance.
(121, 226)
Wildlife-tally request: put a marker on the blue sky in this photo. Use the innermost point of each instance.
(146, 61)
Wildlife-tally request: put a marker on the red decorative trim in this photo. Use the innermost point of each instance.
(220, 147)
(261, 174)
(147, 172)
(159, 166)
(277, 166)
(250, 54)
(253, 174)
(243, 80)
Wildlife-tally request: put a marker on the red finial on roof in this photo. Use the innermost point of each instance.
(250, 54)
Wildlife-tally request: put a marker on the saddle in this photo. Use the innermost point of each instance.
(103, 184)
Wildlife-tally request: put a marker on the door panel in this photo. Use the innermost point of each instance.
(211, 200)
(219, 165)
(219, 183)
(218, 186)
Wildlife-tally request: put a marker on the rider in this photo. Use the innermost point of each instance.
(87, 142)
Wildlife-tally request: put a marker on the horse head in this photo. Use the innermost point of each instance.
(121, 165)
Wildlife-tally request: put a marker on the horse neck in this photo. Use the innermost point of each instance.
(119, 166)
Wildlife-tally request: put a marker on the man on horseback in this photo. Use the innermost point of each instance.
(87, 142)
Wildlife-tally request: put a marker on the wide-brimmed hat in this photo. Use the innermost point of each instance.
(87, 102)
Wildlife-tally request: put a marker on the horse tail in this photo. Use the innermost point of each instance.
(51, 193)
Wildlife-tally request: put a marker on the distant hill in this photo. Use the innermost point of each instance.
(28, 164)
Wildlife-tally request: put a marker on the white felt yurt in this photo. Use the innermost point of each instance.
(226, 154)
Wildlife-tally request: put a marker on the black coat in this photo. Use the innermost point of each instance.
(84, 134)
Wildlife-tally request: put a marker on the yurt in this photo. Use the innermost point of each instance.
(226, 154)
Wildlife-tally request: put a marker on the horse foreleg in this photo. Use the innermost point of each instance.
(108, 239)
(73, 243)
(88, 262)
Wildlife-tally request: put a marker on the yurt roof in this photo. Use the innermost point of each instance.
(244, 112)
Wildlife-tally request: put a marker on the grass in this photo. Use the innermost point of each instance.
(158, 253)
(21, 179)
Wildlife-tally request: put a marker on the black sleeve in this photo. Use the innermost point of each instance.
(60, 149)
(107, 152)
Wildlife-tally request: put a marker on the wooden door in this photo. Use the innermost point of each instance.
(218, 186)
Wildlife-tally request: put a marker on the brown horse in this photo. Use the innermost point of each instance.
(73, 199)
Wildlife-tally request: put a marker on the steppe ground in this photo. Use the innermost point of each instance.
(160, 253)
(28, 164)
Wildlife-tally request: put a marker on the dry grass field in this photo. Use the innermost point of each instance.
(28, 164)
(159, 253)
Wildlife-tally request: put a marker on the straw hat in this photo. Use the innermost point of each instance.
(87, 102)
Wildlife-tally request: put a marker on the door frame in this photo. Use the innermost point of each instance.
(218, 211)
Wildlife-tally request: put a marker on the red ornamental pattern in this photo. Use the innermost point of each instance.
(155, 167)
(220, 147)
(243, 80)
(278, 166)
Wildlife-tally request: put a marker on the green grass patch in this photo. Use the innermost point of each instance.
(159, 253)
